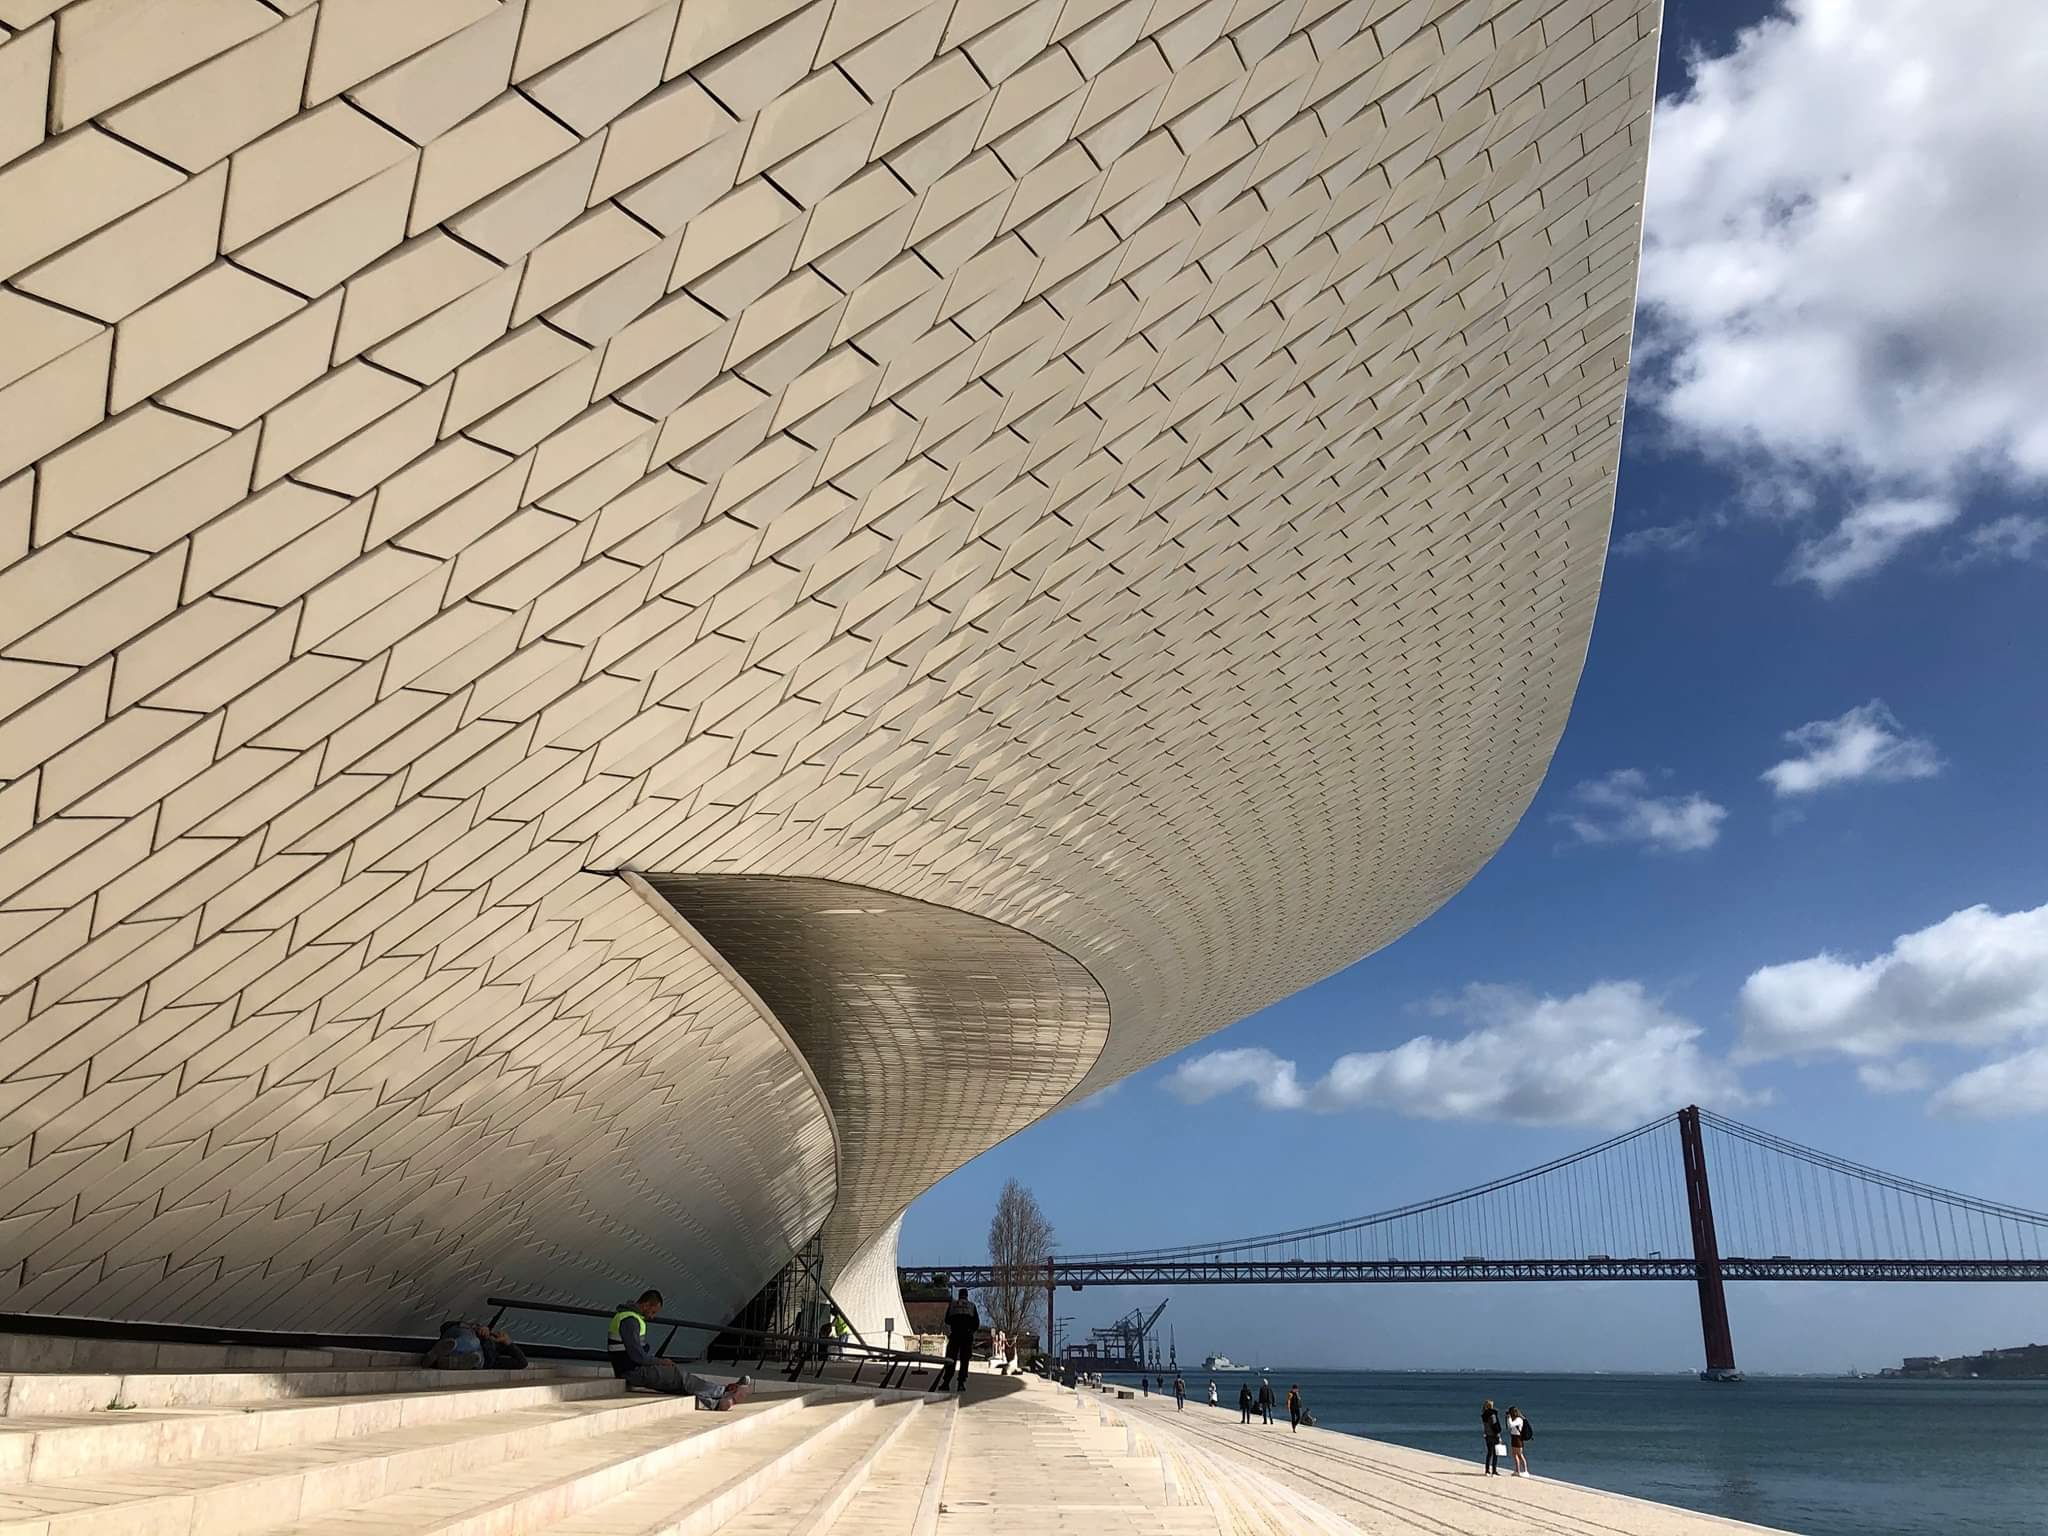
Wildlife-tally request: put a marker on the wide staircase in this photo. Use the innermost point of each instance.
(146, 1440)
(191, 1442)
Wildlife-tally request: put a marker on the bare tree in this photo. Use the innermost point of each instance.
(1019, 1243)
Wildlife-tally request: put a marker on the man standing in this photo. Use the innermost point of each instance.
(962, 1323)
(1244, 1403)
(1180, 1395)
(1265, 1400)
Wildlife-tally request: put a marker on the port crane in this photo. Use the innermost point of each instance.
(1128, 1344)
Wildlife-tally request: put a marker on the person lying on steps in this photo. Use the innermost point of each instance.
(468, 1345)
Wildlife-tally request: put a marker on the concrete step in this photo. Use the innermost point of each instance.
(269, 1488)
(39, 1394)
(1140, 1453)
(906, 1477)
(50, 1352)
(807, 1501)
(47, 1448)
(861, 1376)
(678, 1479)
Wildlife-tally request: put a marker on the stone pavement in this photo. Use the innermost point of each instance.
(1028, 1457)
(322, 1445)
(1369, 1485)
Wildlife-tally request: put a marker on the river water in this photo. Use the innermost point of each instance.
(1823, 1457)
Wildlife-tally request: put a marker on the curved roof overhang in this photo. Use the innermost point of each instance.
(935, 1033)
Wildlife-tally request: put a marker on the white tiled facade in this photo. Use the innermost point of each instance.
(1131, 477)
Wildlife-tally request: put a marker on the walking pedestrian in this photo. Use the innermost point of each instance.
(1294, 1408)
(1489, 1428)
(963, 1321)
(1244, 1403)
(1145, 1385)
(1212, 1394)
(1519, 1434)
(1265, 1401)
(1180, 1395)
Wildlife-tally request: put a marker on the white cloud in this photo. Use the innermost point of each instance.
(2014, 537)
(1664, 539)
(2017, 1085)
(1841, 277)
(1865, 743)
(1866, 539)
(1976, 978)
(1097, 1099)
(1270, 1078)
(1906, 1075)
(1621, 809)
(1611, 1055)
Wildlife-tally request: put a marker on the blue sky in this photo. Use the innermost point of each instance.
(1831, 520)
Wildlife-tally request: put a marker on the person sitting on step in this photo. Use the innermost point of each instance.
(638, 1366)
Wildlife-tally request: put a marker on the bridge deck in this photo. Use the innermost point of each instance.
(1078, 1273)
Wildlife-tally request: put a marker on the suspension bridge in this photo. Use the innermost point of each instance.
(1692, 1196)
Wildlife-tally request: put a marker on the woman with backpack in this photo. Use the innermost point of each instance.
(1519, 1433)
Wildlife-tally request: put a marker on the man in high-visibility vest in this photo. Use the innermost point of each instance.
(625, 1341)
(625, 1345)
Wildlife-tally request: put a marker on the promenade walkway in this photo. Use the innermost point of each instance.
(1341, 1483)
(191, 1440)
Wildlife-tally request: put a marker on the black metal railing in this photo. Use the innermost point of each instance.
(62, 1325)
(796, 1352)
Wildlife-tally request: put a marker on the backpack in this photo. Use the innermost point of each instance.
(1528, 1430)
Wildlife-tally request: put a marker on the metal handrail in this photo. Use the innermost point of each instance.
(806, 1349)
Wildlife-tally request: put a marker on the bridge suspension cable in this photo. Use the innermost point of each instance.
(1785, 1198)
(1691, 1196)
(1624, 1198)
(1523, 1207)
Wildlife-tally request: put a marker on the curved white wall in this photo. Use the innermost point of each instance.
(866, 1286)
(934, 1033)
(1135, 473)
